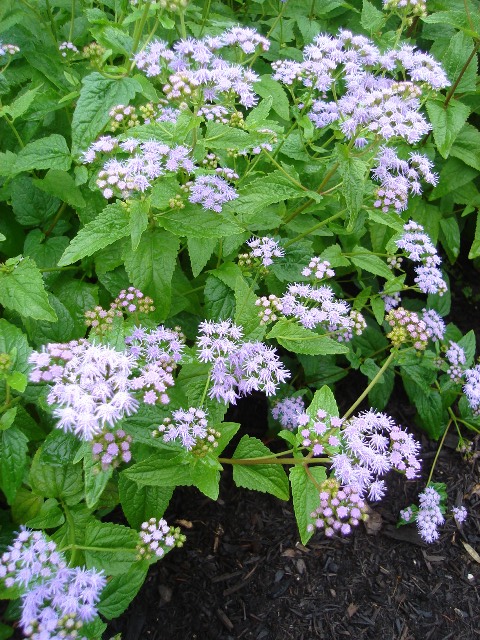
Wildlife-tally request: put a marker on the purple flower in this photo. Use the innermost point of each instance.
(265, 249)
(429, 515)
(189, 426)
(211, 192)
(157, 537)
(460, 514)
(472, 388)
(287, 410)
(434, 323)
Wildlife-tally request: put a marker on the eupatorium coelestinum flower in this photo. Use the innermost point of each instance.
(318, 269)
(157, 537)
(320, 435)
(57, 600)
(371, 445)
(10, 49)
(472, 388)
(212, 192)
(91, 386)
(188, 426)
(287, 411)
(265, 249)
(410, 8)
(238, 367)
(127, 302)
(110, 448)
(269, 307)
(340, 509)
(429, 515)
(407, 327)
(434, 323)
(456, 358)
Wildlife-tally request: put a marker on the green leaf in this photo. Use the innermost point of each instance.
(7, 418)
(300, 340)
(97, 96)
(192, 380)
(59, 448)
(372, 19)
(454, 59)
(475, 248)
(227, 431)
(323, 399)
(31, 206)
(267, 478)
(22, 289)
(446, 122)
(61, 185)
(95, 479)
(246, 311)
(194, 222)
(468, 344)
(25, 506)
(305, 497)
(467, 146)
(268, 87)
(17, 381)
(109, 226)
(166, 468)
(51, 152)
(50, 516)
(140, 503)
(200, 251)
(367, 261)
(378, 308)
(139, 210)
(5, 631)
(450, 237)
(453, 175)
(21, 103)
(121, 590)
(354, 174)
(219, 299)
(206, 477)
(259, 114)
(49, 481)
(112, 547)
(13, 459)
(151, 267)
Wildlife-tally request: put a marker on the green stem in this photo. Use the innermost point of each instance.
(58, 215)
(137, 32)
(285, 173)
(71, 532)
(205, 15)
(78, 547)
(327, 177)
(373, 382)
(15, 132)
(52, 21)
(72, 21)
(440, 445)
(183, 29)
(319, 225)
(52, 269)
(454, 86)
(271, 460)
(205, 389)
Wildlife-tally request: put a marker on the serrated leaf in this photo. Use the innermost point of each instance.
(25, 506)
(111, 547)
(200, 251)
(219, 299)
(121, 590)
(466, 146)
(354, 174)
(194, 222)
(267, 478)
(51, 152)
(323, 399)
(97, 96)
(165, 468)
(447, 122)
(23, 291)
(138, 210)
(50, 516)
(268, 87)
(13, 459)
(110, 225)
(63, 482)
(300, 340)
(61, 185)
(372, 19)
(95, 479)
(151, 267)
(246, 311)
(21, 103)
(378, 308)
(59, 448)
(305, 496)
(367, 261)
(206, 478)
(140, 503)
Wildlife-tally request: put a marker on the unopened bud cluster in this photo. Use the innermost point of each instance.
(176, 202)
(411, 8)
(10, 49)
(203, 446)
(407, 328)
(123, 117)
(394, 262)
(340, 509)
(6, 363)
(93, 52)
(111, 448)
(175, 6)
(269, 307)
(156, 537)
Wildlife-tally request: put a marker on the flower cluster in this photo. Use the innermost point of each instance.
(110, 448)
(91, 385)
(460, 514)
(156, 537)
(6, 363)
(157, 353)
(269, 307)
(340, 509)
(287, 412)
(127, 302)
(321, 434)
(471, 388)
(429, 515)
(193, 68)
(317, 307)
(435, 326)
(411, 8)
(456, 358)
(8, 49)
(211, 192)
(419, 248)
(265, 249)
(188, 426)
(399, 177)
(318, 269)
(407, 327)
(67, 48)
(57, 600)
(238, 367)
(372, 445)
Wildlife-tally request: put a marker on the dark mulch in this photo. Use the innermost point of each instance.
(243, 574)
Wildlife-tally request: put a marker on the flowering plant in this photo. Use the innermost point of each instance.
(197, 211)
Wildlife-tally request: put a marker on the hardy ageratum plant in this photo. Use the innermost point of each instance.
(265, 220)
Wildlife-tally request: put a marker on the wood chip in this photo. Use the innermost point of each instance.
(471, 551)
(352, 609)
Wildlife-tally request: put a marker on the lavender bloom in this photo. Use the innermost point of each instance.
(318, 269)
(456, 357)
(91, 390)
(157, 537)
(391, 301)
(321, 434)
(407, 327)
(435, 326)
(429, 515)
(187, 426)
(472, 388)
(373, 445)
(8, 49)
(211, 192)
(246, 38)
(67, 48)
(111, 448)
(460, 514)
(340, 509)
(269, 307)
(265, 249)
(287, 410)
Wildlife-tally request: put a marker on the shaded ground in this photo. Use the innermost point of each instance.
(243, 574)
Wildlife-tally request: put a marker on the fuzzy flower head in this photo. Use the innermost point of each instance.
(460, 514)
(186, 426)
(340, 509)
(320, 434)
(318, 269)
(128, 302)
(407, 328)
(471, 389)
(156, 538)
(91, 387)
(111, 448)
(409, 8)
(372, 445)
(456, 358)
(430, 514)
(287, 411)
(265, 250)
(434, 323)
(269, 307)
(212, 192)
